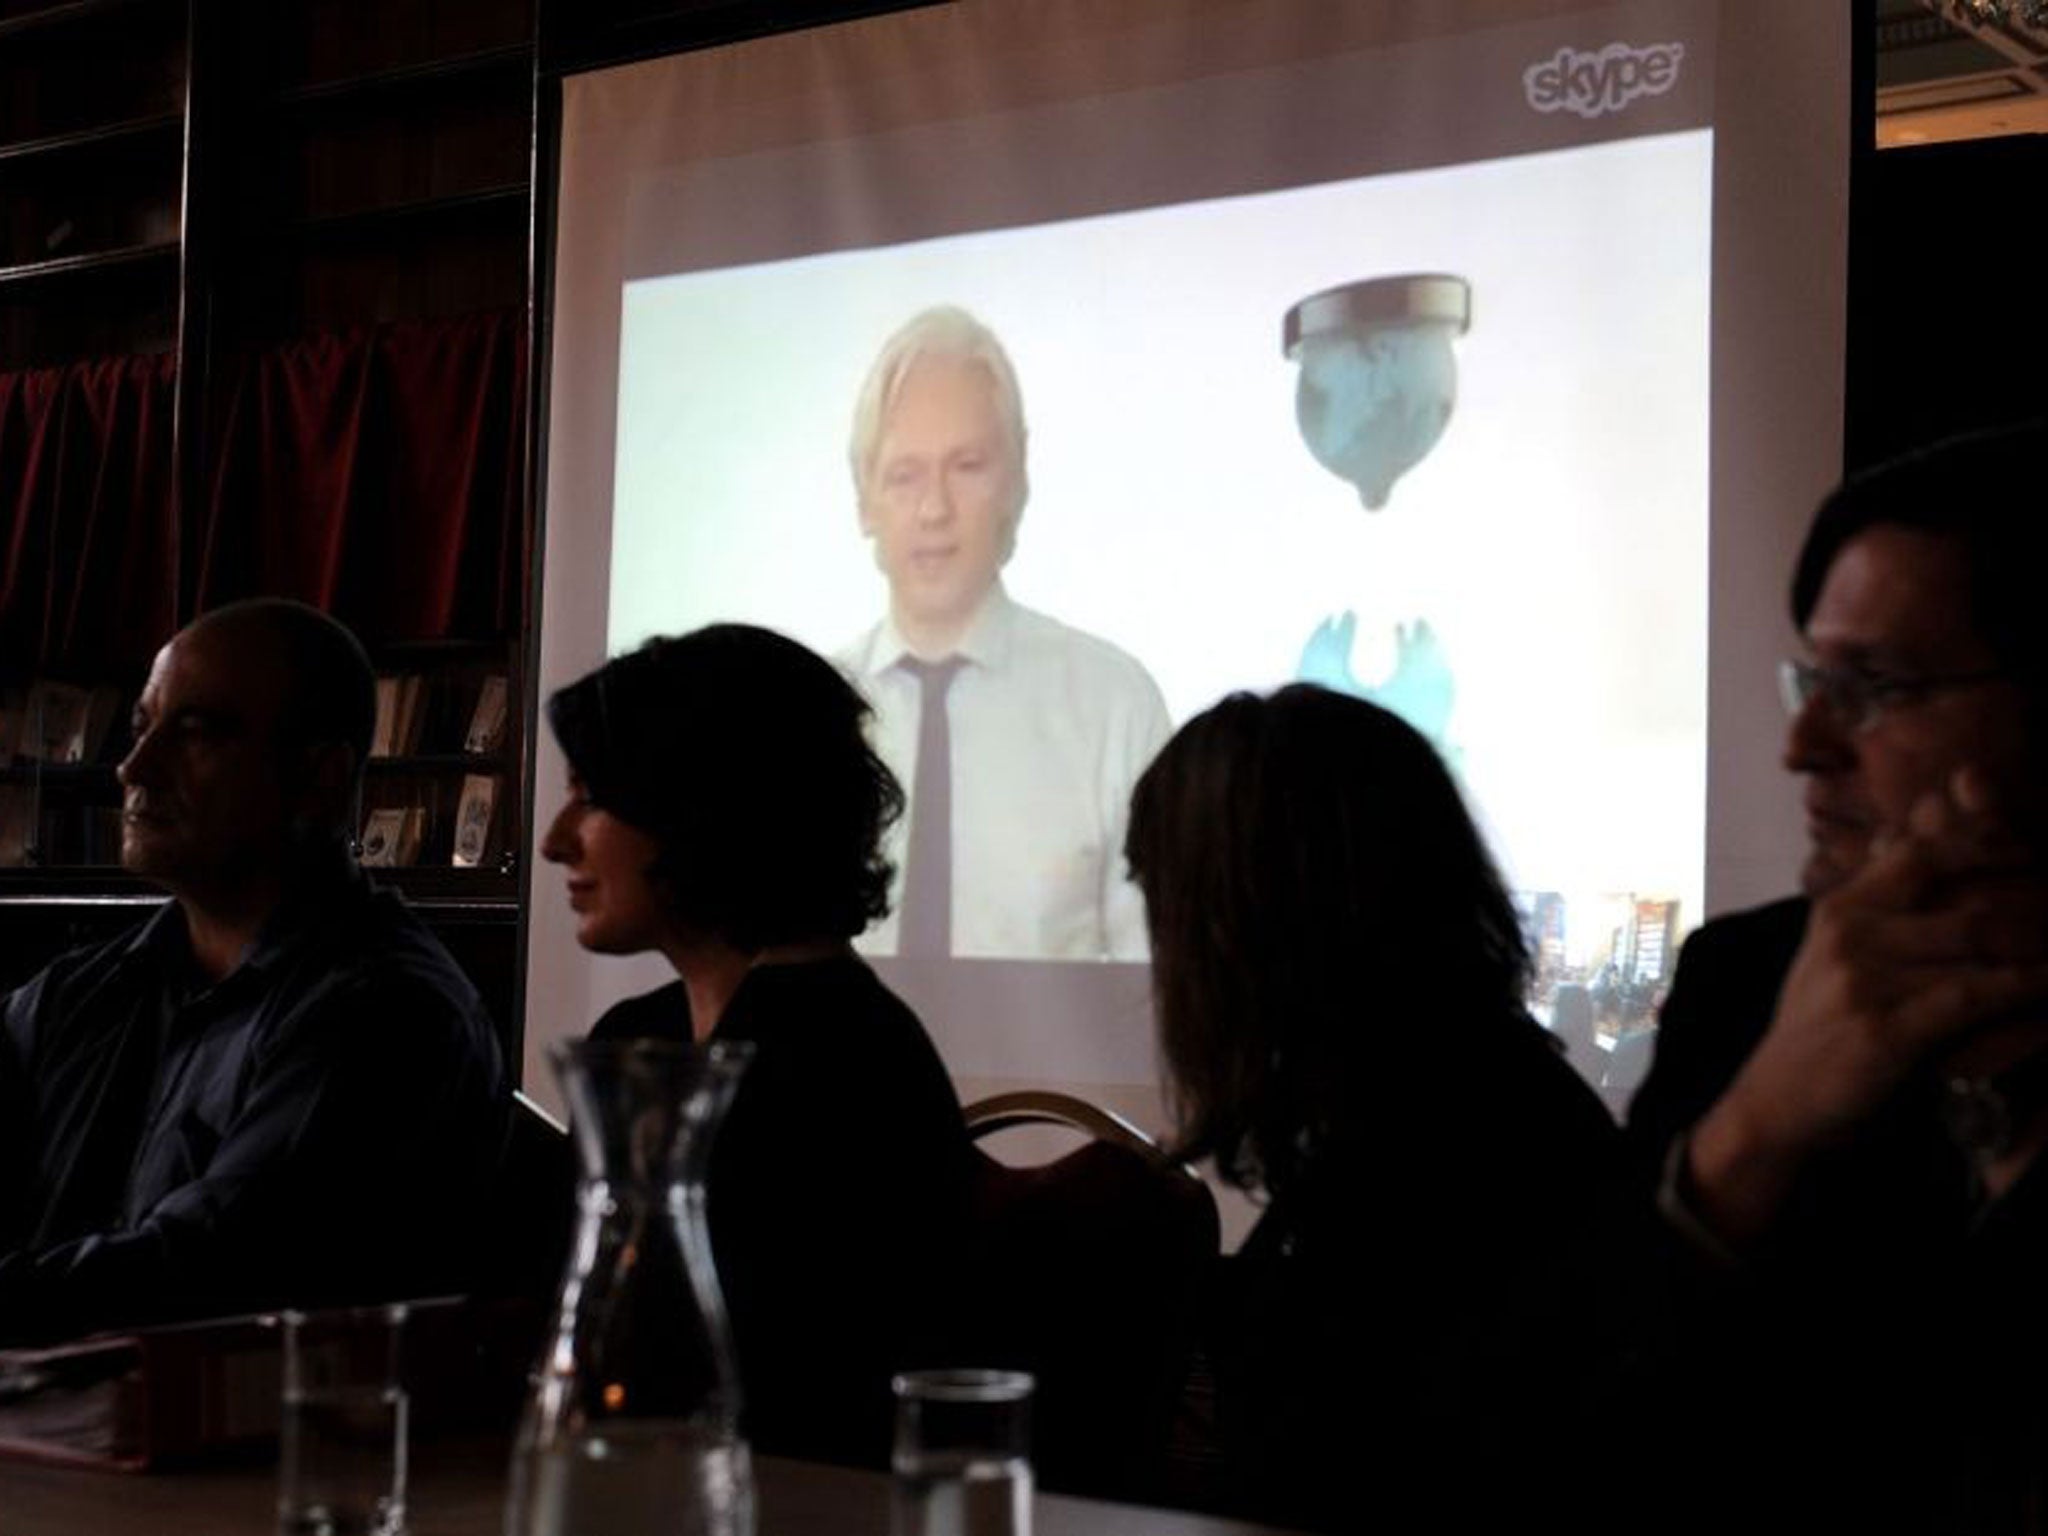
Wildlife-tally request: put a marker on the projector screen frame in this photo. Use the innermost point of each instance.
(1734, 778)
(575, 38)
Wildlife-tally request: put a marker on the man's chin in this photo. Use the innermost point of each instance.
(1829, 866)
(944, 602)
(147, 854)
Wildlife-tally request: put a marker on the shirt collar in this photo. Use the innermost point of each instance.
(303, 913)
(163, 948)
(987, 643)
(162, 936)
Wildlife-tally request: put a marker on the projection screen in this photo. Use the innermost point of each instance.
(1479, 358)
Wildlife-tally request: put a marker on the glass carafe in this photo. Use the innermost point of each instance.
(633, 1425)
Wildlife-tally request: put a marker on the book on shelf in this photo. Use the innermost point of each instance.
(55, 715)
(392, 835)
(400, 710)
(474, 819)
(13, 702)
(486, 733)
(64, 723)
(17, 824)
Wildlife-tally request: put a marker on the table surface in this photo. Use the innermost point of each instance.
(458, 1489)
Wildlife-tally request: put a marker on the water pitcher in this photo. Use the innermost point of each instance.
(634, 1421)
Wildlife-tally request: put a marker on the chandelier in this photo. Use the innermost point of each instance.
(1984, 13)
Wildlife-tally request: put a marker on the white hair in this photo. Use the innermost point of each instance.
(944, 331)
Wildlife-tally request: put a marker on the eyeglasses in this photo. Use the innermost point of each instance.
(1858, 696)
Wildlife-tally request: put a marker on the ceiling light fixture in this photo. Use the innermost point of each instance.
(1984, 13)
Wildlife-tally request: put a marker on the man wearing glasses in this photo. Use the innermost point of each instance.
(1851, 1089)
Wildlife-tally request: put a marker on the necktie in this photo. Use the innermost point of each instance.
(925, 925)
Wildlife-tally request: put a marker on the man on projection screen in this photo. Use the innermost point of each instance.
(1017, 738)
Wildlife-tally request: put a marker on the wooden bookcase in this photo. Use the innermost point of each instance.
(210, 179)
(207, 180)
(92, 119)
(92, 177)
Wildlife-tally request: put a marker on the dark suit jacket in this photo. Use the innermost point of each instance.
(1398, 1341)
(1722, 997)
(1879, 1365)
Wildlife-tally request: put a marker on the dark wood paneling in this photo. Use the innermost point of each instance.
(1944, 312)
(575, 35)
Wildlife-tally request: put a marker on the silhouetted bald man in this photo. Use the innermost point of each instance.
(279, 1087)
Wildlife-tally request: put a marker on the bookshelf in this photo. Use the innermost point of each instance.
(92, 119)
(438, 789)
(207, 182)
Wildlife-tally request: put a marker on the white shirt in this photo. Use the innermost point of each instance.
(1049, 729)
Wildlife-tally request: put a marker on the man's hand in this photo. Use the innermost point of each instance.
(1936, 949)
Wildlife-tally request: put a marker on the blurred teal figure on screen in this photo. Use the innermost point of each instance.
(1421, 688)
(1017, 737)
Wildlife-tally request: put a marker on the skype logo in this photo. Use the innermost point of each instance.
(1592, 84)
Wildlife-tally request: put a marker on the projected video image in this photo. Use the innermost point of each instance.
(1018, 737)
(1046, 492)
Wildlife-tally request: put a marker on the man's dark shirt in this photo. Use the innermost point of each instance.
(318, 1125)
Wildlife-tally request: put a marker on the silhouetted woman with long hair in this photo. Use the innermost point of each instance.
(1339, 978)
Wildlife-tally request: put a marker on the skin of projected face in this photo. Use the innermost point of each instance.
(942, 499)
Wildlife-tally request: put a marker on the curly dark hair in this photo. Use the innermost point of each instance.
(745, 757)
(1323, 913)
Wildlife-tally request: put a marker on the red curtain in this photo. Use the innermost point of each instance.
(88, 519)
(377, 474)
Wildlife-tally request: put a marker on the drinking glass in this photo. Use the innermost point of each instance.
(962, 1457)
(343, 1426)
